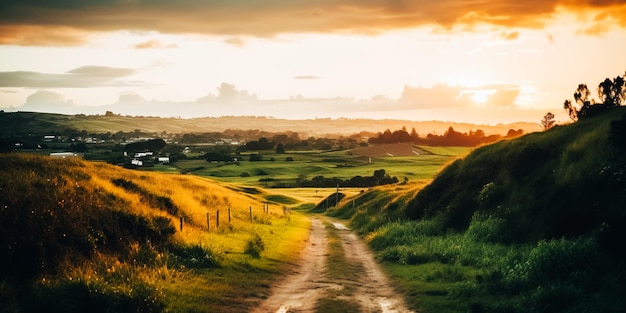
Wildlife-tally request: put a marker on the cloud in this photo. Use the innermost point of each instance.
(439, 102)
(22, 22)
(31, 34)
(82, 77)
(509, 35)
(503, 97)
(235, 41)
(131, 97)
(47, 101)
(229, 94)
(154, 44)
(440, 95)
(444, 96)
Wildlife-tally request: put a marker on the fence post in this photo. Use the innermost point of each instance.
(229, 215)
(208, 221)
(250, 213)
(181, 223)
(217, 219)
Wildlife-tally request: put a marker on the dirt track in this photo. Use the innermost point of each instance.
(310, 281)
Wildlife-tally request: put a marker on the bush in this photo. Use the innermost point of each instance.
(401, 233)
(486, 228)
(254, 246)
(192, 256)
(256, 157)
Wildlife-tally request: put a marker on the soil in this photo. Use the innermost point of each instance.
(310, 281)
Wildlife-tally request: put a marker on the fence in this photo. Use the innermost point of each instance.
(214, 223)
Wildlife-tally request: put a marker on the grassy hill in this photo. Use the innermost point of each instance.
(534, 224)
(79, 236)
(568, 182)
(41, 123)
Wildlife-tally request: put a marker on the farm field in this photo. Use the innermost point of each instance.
(275, 171)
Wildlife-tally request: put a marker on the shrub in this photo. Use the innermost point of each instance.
(256, 157)
(192, 256)
(399, 233)
(254, 246)
(486, 228)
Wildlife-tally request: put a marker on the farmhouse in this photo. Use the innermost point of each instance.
(65, 155)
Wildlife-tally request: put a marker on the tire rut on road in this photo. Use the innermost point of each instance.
(309, 282)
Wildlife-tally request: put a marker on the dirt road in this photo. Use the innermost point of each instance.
(366, 289)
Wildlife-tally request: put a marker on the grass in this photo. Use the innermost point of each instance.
(110, 238)
(307, 165)
(533, 224)
(338, 267)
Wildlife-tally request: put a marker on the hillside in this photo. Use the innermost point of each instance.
(43, 122)
(533, 224)
(568, 181)
(80, 236)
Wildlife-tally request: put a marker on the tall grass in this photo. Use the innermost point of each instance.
(76, 235)
(534, 224)
(557, 275)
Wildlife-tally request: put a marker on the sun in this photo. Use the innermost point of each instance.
(481, 96)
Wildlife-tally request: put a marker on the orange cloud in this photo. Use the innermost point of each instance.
(39, 35)
(154, 44)
(82, 77)
(503, 98)
(509, 35)
(27, 22)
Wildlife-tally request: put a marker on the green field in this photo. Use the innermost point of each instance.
(274, 170)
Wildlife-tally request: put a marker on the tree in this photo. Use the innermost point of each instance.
(581, 96)
(414, 135)
(548, 121)
(571, 110)
(280, 148)
(612, 92)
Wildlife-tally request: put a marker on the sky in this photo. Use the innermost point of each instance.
(477, 61)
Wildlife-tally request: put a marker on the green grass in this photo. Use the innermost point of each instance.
(310, 164)
(427, 287)
(533, 224)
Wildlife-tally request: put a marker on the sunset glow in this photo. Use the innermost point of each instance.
(484, 62)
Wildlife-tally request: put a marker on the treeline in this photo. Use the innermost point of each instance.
(449, 138)
(611, 94)
(380, 177)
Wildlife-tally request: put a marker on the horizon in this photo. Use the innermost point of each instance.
(446, 61)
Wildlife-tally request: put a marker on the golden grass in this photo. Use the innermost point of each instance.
(238, 281)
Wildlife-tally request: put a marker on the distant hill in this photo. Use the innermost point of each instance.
(46, 122)
(568, 181)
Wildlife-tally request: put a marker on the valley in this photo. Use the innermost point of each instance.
(469, 229)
